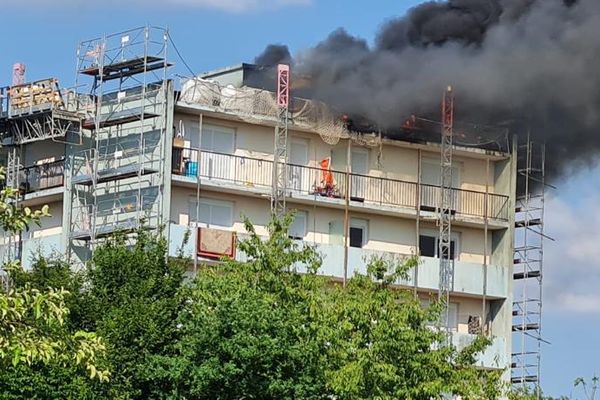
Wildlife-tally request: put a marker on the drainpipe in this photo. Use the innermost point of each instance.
(485, 245)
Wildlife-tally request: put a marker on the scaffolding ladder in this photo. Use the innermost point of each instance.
(528, 267)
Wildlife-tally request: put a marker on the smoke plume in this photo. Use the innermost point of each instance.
(274, 54)
(526, 64)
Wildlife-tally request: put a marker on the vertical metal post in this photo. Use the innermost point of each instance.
(485, 245)
(197, 224)
(280, 176)
(347, 207)
(12, 181)
(417, 222)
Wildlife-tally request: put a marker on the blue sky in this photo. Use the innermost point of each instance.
(214, 33)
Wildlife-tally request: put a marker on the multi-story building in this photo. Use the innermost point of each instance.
(135, 151)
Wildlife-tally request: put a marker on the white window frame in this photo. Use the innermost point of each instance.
(435, 163)
(366, 153)
(360, 223)
(209, 126)
(211, 202)
(454, 237)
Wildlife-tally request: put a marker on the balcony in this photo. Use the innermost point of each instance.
(30, 249)
(43, 176)
(308, 184)
(467, 281)
(495, 356)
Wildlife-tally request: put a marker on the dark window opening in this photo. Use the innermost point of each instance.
(427, 246)
(356, 237)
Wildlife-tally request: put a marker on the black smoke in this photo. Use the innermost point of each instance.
(274, 54)
(527, 64)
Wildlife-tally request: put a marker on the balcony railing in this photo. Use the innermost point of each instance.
(254, 172)
(44, 176)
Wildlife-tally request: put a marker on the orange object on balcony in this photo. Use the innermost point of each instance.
(326, 175)
(215, 243)
(327, 185)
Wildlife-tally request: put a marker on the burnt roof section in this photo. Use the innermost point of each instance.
(415, 129)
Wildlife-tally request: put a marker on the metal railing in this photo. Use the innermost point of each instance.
(254, 172)
(44, 176)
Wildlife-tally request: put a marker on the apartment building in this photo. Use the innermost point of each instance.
(199, 159)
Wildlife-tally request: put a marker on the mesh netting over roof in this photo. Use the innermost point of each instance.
(256, 104)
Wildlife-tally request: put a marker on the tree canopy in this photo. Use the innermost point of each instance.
(259, 329)
(33, 327)
(268, 327)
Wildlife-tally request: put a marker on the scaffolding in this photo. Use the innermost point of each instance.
(31, 112)
(280, 159)
(37, 111)
(445, 207)
(117, 182)
(528, 267)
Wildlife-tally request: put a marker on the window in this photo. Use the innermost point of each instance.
(219, 139)
(298, 157)
(360, 161)
(429, 245)
(452, 314)
(190, 132)
(452, 317)
(213, 212)
(359, 168)
(358, 232)
(297, 229)
(431, 170)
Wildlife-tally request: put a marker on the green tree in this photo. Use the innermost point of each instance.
(129, 295)
(32, 320)
(258, 329)
(132, 301)
(51, 380)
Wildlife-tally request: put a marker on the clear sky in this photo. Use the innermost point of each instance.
(215, 33)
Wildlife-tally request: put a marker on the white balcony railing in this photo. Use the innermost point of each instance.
(255, 172)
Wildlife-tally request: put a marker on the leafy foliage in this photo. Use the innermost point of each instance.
(257, 329)
(252, 329)
(32, 320)
(133, 300)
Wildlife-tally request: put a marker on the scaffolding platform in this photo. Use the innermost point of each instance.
(113, 174)
(527, 274)
(37, 111)
(126, 68)
(531, 222)
(118, 118)
(524, 379)
(126, 226)
(526, 327)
